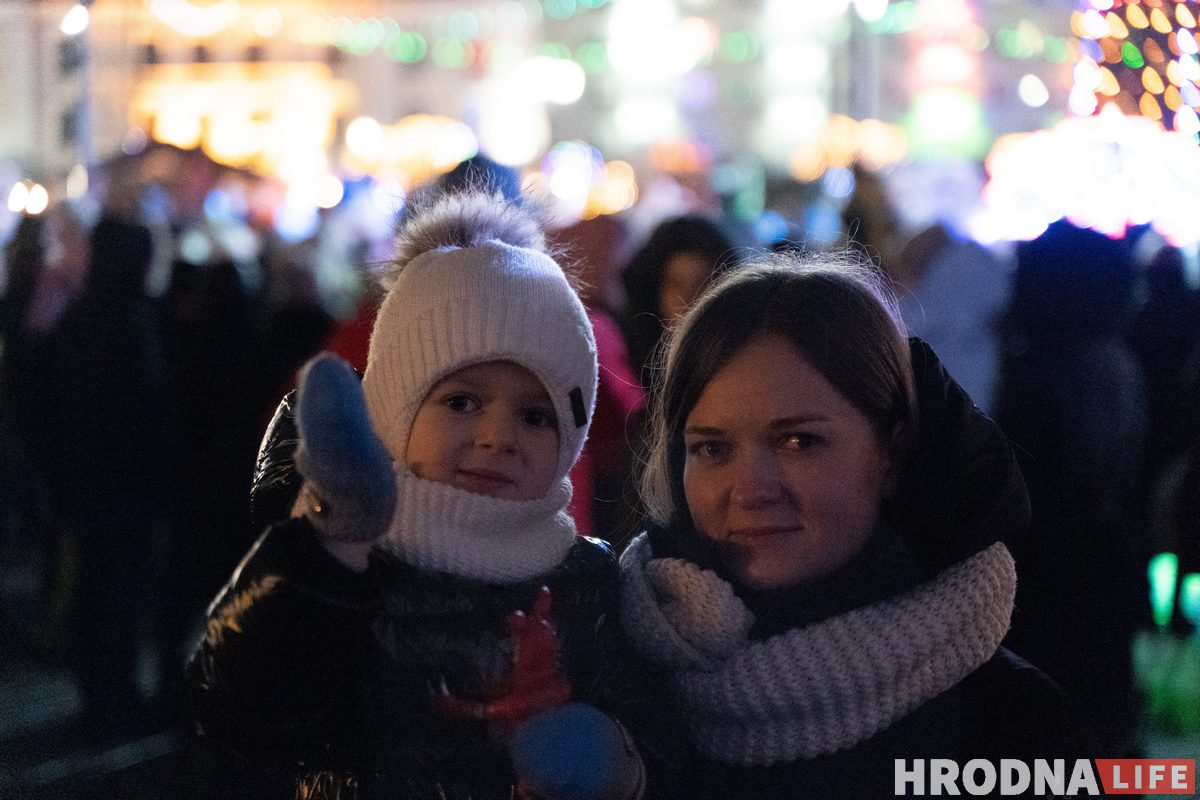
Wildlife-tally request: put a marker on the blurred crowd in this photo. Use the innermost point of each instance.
(146, 345)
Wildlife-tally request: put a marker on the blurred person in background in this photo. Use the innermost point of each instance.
(601, 476)
(1165, 337)
(211, 318)
(45, 264)
(952, 291)
(1071, 399)
(1180, 503)
(242, 312)
(1185, 505)
(681, 257)
(110, 456)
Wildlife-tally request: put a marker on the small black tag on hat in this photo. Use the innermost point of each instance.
(577, 408)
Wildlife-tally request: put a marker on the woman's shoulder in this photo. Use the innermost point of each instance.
(1009, 675)
(587, 580)
(1016, 710)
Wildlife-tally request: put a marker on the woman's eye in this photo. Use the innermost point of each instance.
(538, 418)
(708, 450)
(461, 403)
(802, 441)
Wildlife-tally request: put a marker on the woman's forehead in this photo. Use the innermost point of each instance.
(768, 382)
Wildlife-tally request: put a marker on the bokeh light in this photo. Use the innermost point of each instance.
(364, 138)
(18, 196)
(1147, 49)
(328, 191)
(947, 122)
(75, 21)
(38, 199)
(1033, 91)
(197, 19)
(1105, 172)
(77, 182)
(644, 119)
(556, 80)
(512, 131)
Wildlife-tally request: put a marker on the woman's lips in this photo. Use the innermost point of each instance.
(761, 533)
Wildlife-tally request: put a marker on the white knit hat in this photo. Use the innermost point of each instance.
(472, 283)
(453, 306)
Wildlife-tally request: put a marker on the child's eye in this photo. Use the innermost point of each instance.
(461, 403)
(539, 418)
(708, 450)
(801, 440)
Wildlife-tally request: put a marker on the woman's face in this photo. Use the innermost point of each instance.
(684, 277)
(780, 468)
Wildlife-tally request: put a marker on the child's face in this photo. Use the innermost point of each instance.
(489, 429)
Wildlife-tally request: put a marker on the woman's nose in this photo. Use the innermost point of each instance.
(756, 483)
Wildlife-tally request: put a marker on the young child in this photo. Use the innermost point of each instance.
(427, 624)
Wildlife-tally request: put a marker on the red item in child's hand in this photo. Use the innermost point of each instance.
(537, 682)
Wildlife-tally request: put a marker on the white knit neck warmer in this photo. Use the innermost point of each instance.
(440, 528)
(818, 689)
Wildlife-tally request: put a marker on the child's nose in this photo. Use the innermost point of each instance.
(495, 432)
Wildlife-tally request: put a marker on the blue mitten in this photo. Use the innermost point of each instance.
(576, 752)
(342, 460)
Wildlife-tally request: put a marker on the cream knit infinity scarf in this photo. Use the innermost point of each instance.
(441, 528)
(818, 689)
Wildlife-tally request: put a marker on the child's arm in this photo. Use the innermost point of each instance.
(278, 667)
(349, 490)
(277, 670)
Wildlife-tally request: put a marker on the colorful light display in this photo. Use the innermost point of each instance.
(1105, 172)
(844, 141)
(660, 62)
(1140, 56)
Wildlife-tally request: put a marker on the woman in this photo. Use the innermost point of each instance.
(665, 276)
(822, 589)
